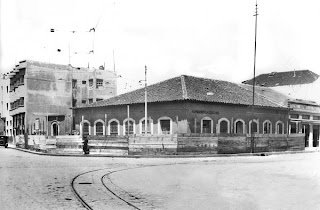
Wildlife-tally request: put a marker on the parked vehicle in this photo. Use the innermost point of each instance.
(4, 141)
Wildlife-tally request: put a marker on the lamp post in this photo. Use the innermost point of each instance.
(145, 104)
(145, 101)
(254, 77)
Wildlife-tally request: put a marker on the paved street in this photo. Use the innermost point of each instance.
(272, 182)
(29, 181)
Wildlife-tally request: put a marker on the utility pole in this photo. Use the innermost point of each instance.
(254, 76)
(145, 104)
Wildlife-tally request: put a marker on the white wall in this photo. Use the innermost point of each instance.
(5, 99)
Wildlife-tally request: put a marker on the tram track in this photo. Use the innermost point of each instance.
(86, 204)
(82, 201)
(120, 194)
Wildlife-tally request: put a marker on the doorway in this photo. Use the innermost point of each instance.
(306, 131)
(54, 129)
(315, 135)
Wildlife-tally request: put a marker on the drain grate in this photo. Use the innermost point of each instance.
(84, 183)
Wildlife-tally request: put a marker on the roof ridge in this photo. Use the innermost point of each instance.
(184, 88)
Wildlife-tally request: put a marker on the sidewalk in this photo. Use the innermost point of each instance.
(307, 150)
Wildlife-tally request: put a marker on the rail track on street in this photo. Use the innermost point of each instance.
(87, 199)
(90, 200)
(82, 201)
(95, 189)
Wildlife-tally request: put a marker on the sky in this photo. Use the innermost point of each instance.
(205, 38)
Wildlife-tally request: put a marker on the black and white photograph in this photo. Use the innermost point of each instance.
(148, 104)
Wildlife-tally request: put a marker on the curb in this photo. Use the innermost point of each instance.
(163, 156)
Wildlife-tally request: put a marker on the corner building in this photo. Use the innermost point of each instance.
(185, 105)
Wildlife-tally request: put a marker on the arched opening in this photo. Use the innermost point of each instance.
(280, 127)
(253, 127)
(99, 129)
(267, 127)
(54, 129)
(164, 125)
(239, 127)
(224, 126)
(114, 128)
(206, 125)
(86, 128)
(129, 127)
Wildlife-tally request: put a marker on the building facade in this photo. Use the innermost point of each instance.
(301, 90)
(184, 105)
(6, 119)
(42, 95)
(305, 118)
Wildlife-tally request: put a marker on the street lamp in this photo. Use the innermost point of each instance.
(145, 102)
(254, 77)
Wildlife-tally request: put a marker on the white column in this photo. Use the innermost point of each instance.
(310, 135)
(318, 134)
(289, 130)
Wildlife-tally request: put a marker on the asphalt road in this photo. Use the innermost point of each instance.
(29, 181)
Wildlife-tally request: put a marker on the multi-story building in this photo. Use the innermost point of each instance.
(6, 119)
(42, 95)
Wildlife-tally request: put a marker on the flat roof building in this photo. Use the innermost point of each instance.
(42, 95)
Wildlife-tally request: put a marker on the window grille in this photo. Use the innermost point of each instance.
(113, 128)
(99, 128)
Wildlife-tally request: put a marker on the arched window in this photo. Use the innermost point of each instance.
(86, 128)
(279, 127)
(113, 127)
(224, 125)
(128, 126)
(165, 125)
(99, 128)
(149, 126)
(54, 129)
(206, 125)
(253, 127)
(239, 126)
(267, 127)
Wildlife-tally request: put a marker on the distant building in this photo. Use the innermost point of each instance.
(298, 84)
(305, 118)
(303, 98)
(6, 119)
(185, 105)
(42, 95)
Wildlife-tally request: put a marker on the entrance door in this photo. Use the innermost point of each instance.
(55, 129)
(306, 131)
(315, 135)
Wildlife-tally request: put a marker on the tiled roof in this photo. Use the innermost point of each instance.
(189, 88)
(304, 102)
(274, 79)
(269, 93)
